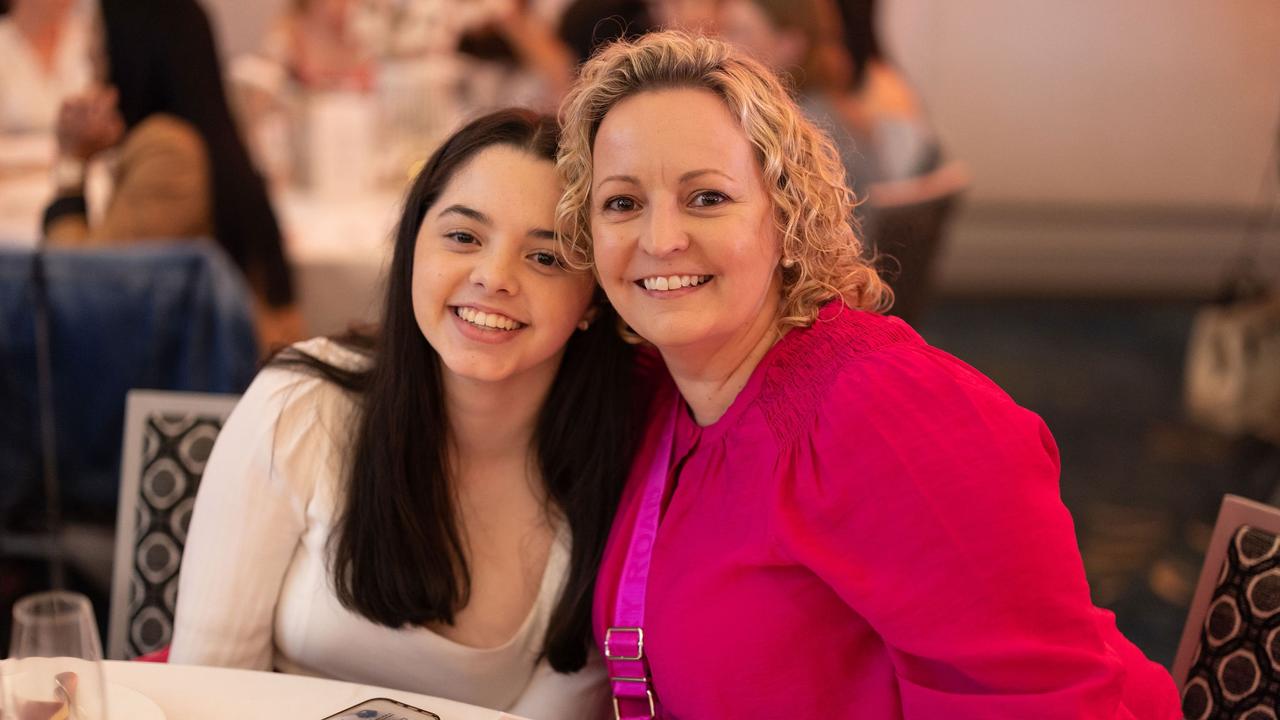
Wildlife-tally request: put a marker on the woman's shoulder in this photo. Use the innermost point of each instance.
(293, 388)
(858, 371)
(170, 131)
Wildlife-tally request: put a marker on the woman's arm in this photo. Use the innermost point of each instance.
(249, 516)
(162, 191)
(934, 512)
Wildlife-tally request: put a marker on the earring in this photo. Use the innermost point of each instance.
(788, 262)
(583, 325)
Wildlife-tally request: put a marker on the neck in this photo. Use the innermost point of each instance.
(711, 374)
(492, 423)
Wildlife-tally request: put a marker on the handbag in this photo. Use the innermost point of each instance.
(1233, 367)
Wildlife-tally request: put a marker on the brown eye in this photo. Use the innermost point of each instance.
(461, 237)
(709, 198)
(620, 203)
(546, 259)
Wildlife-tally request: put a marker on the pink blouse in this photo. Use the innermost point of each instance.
(873, 530)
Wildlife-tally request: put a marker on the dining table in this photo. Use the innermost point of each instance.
(192, 692)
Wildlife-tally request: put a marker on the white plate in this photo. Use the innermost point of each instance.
(129, 704)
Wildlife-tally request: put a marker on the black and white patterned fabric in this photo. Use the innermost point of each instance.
(174, 451)
(1235, 672)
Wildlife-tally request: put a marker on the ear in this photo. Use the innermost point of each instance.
(589, 317)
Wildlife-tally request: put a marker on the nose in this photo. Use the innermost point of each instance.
(664, 234)
(496, 273)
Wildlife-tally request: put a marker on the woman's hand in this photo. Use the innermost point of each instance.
(89, 123)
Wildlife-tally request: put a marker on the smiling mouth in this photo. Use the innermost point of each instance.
(487, 321)
(668, 283)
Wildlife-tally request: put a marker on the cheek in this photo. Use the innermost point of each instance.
(609, 253)
(428, 286)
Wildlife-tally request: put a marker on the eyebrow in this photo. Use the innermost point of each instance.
(620, 178)
(465, 211)
(683, 178)
(705, 171)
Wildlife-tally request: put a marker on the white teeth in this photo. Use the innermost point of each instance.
(674, 282)
(486, 320)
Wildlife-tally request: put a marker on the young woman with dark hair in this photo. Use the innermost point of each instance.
(425, 507)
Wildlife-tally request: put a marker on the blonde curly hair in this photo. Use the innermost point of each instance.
(821, 251)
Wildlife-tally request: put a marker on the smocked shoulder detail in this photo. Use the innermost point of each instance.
(806, 362)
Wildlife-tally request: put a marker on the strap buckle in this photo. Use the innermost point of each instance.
(653, 712)
(608, 645)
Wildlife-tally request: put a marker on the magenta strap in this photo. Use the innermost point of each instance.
(633, 697)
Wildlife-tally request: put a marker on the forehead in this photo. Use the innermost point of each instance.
(672, 130)
(502, 179)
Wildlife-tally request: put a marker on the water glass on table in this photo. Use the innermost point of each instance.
(54, 670)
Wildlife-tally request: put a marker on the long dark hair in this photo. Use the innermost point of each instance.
(859, 17)
(162, 58)
(397, 556)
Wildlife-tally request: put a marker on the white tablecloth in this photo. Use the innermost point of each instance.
(339, 249)
(188, 692)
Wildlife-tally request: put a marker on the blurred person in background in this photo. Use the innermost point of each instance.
(687, 15)
(801, 40)
(181, 169)
(315, 41)
(884, 104)
(589, 24)
(517, 55)
(43, 59)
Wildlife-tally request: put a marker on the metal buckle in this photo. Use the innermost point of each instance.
(617, 713)
(608, 651)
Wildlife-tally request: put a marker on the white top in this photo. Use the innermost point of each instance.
(30, 97)
(255, 591)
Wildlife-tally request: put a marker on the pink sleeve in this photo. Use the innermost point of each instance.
(929, 502)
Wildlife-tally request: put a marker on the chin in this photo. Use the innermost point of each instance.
(673, 334)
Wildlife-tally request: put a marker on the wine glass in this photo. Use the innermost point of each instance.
(55, 660)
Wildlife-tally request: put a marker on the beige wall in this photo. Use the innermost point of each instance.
(1100, 101)
(1118, 146)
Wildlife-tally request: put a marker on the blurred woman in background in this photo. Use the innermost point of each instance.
(181, 169)
(884, 104)
(801, 40)
(316, 43)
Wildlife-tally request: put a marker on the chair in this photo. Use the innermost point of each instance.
(1228, 661)
(173, 315)
(907, 220)
(167, 439)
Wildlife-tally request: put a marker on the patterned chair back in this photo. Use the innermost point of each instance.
(167, 439)
(1228, 663)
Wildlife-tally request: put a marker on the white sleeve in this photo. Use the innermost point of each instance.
(550, 695)
(249, 516)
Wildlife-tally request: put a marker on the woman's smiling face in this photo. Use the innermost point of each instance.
(683, 227)
(489, 291)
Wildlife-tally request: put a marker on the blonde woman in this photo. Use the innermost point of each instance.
(829, 517)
